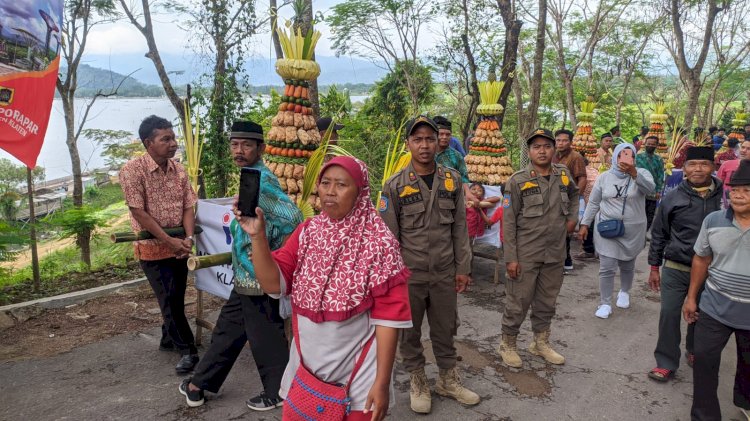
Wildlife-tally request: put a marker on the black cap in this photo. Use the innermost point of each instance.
(741, 177)
(325, 122)
(246, 130)
(609, 135)
(544, 133)
(418, 121)
(443, 123)
(700, 152)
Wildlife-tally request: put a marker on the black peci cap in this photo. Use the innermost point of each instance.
(246, 130)
(324, 123)
(443, 123)
(741, 177)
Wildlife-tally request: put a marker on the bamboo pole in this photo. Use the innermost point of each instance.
(124, 237)
(202, 262)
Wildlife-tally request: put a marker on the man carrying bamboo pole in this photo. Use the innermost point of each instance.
(158, 193)
(249, 314)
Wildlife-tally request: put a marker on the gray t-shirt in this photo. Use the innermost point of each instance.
(726, 297)
(606, 202)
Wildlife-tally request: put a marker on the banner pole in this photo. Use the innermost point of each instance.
(32, 230)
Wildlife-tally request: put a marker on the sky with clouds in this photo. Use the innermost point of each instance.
(123, 38)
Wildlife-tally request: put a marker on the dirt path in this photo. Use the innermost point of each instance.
(125, 377)
(61, 330)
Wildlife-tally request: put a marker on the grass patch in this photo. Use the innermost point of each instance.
(62, 271)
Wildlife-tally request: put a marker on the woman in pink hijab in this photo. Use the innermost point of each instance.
(347, 281)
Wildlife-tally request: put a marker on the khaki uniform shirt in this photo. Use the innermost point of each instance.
(429, 224)
(535, 214)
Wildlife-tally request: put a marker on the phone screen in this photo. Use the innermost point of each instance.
(249, 191)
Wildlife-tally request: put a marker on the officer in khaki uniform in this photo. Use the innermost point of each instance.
(423, 205)
(540, 208)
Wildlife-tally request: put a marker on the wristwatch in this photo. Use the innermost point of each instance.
(190, 238)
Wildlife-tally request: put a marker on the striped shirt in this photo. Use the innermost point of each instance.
(726, 297)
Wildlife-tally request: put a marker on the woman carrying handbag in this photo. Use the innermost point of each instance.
(344, 273)
(617, 203)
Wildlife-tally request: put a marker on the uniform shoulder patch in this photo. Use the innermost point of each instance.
(383, 204)
(506, 200)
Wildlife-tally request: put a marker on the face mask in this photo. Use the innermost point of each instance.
(650, 149)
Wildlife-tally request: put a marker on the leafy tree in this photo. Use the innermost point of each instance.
(386, 31)
(335, 103)
(12, 179)
(391, 103)
(221, 32)
(80, 17)
(78, 222)
(118, 145)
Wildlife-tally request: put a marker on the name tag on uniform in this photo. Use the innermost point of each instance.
(531, 191)
(411, 199)
(442, 194)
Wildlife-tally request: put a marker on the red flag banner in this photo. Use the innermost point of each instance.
(30, 37)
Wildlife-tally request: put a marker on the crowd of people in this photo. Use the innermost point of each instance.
(357, 280)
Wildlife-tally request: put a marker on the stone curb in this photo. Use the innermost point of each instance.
(12, 314)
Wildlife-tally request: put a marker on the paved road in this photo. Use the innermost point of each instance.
(604, 378)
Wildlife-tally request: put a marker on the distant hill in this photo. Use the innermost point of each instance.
(92, 80)
(261, 71)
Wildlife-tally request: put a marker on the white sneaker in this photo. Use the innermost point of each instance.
(603, 311)
(568, 267)
(623, 299)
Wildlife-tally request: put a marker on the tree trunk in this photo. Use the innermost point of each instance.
(510, 53)
(690, 76)
(220, 172)
(570, 100)
(274, 24)
(307, 24)
(83, 239)
(536, 80)
(693, 92)
(473, 84)
(527, 121)
(147, 30)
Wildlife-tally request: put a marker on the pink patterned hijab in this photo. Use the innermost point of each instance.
(346, 263)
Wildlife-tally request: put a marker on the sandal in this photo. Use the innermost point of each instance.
(660, 374)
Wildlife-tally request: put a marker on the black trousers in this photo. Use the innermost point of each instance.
(244, 318)
(588, 242)
(674, 288)
(711, 336)
(168, 279)
(568, 260)
(650, 212)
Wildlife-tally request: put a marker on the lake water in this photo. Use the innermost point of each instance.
(112, 114)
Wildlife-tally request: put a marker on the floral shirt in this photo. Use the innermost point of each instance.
(162, 194)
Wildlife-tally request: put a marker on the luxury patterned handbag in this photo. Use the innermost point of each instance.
(613, 228)
(310, 398)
